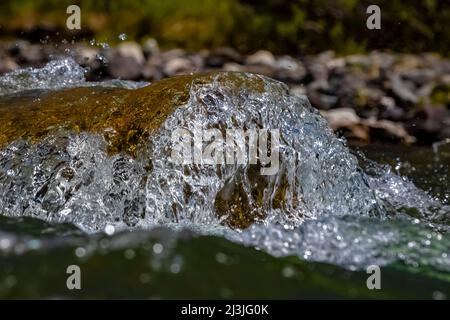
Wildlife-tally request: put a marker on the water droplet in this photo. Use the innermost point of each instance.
(221, 258)
(129, 254)
(109, 230)
(5, 244)
(122, 36)
(175, 268)
(80, 252)
(288, 272)
(438, 295)
(10, 281)
(34, 244)
(158, 248)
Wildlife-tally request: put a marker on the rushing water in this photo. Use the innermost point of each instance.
(337, 206)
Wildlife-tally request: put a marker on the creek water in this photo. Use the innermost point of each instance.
(138, 233)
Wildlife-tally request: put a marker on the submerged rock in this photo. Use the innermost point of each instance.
(96, 156)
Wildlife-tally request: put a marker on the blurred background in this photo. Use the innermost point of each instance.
(281, 26)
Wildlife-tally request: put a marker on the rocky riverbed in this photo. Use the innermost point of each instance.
(376, 96)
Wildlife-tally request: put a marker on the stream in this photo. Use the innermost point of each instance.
(191, 231)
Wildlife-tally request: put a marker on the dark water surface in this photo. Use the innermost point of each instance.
(163, 263)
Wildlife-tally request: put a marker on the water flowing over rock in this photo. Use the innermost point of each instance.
(57, 74)
(98, 156)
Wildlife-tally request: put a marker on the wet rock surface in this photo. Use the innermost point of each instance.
(109, 151)
(124, 117)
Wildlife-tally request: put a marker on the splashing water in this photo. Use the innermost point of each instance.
(320, 205)
(57, 74)
(122, 36)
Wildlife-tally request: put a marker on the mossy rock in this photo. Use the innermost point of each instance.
(441, 94)
(124, 117)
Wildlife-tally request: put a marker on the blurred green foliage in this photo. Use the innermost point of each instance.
(295, 26)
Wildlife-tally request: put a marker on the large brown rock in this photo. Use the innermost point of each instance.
(123, 116)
